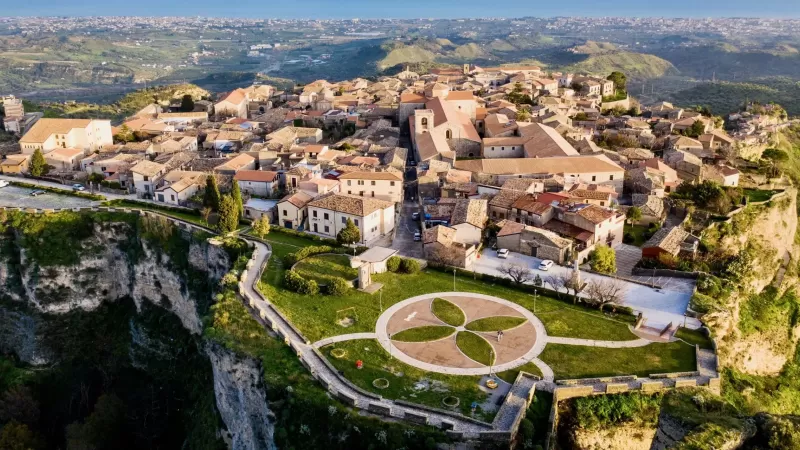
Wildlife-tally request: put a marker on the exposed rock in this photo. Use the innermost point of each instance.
(615, 438)
(241, 400)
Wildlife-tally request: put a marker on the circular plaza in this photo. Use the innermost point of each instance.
(461, 333)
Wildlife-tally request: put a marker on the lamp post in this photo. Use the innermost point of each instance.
(454, 279)
(534, 300)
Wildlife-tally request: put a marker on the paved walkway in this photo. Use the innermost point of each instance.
(592, 343)
(344, 337)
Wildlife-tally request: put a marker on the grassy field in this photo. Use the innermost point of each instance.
(448, 312)
(510, 375)
(322, 267)
(495, 323)
(475, 347)
(571, 361)
(758, 195)
(424, 334)
(694, 337)
(405, 382)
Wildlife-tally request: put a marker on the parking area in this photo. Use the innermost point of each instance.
(406, 227)
(13, 196)
(659, 306)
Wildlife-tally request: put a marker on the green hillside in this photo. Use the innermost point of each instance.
(406, 54)
(723, 97)
(595, 48)
(137, 100)
(634, 65)
(470, 51)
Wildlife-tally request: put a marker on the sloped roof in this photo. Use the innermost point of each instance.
(350, 204)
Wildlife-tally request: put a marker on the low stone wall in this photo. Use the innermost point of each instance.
(665, 273)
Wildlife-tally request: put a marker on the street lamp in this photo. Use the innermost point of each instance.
(454, 279)
(534, 300)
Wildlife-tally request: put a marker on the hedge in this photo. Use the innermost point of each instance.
(305, 252)
(393, 264)
(294, 282)
(313, 237)
(409, 265)
(337, 286)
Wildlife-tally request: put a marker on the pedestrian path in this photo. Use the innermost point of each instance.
(593, 343)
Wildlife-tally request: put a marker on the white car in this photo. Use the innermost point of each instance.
(417, 236)
(545, 265)
(502, 253)
(78, 187)
(4, 183)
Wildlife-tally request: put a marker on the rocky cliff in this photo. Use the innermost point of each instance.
(48, 290)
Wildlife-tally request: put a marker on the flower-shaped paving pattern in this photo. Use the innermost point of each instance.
(461, 332)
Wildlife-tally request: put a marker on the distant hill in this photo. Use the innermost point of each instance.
(405, 54)
(634, 65)
(724, 97)
(594, 48)
(470, 51)
(137, 100)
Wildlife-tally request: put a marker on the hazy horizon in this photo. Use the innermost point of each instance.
(409, 9)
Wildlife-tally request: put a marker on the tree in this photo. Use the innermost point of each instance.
(228, 215)
(697, 128)
(236, 193)
(523, 115)
(556, 282)
(38, 166)
(393, 264)
(95, 178)
(17, 436)
(205, 213)
(603, 259)
(211, 196)
(101, 428)
(409, 266)
(634, 214)
(581, 116)
(517, 272)
(18, 404)
(125, 134)
(605, 292)
(619, 79)
(350, 234)
(261, 226)
(187, 103)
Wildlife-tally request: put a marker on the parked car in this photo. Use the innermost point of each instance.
(545, 265)
(415, 216)
(4, 183)
(78, 187)
(417, 236)
(37, 193)
(502, 253)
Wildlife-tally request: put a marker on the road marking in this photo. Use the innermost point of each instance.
(411, 316)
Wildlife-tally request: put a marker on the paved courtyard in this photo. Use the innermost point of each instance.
(13, 196)
(659, 306)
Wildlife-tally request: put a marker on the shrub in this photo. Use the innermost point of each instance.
(337, 286)
(393, 264)
(309, 287)
(292, 280)
(628, 238)
(292, 258)
(409, 265)
(603, 259)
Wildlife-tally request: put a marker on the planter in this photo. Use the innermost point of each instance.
(451, 401)
(380, 383)
(338, 353)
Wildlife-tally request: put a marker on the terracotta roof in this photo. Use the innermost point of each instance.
(255, 175)
(193, 115)
(14, 160)
(530, 204)
(44, 128)
(471, 211)
(595, 214)
(460, 95)
(148, 168)
(350, 204)
(591, 194)
(508, 227)
(412, 97)
(555, 165)
(64, 153)
(236, 163)
(440, 233)
(667, 239)
(298, 199)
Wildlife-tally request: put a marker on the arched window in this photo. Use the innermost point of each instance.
(425, 121)
(448, 134)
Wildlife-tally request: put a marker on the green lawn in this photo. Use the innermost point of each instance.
(495, 323)
(758, 195)
(405, 382)
(322, 267)
(185, 216)
(424, 334)
(638, 232)
(475, 347)
(510, 375)
(693, 337)
(447, 312)
(572, 361)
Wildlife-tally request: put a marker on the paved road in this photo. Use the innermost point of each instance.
(660, 307)
(20, 197)
(406, 227)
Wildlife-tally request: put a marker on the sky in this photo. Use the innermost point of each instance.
(338, 9)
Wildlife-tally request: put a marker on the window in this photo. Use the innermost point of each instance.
(373, 183)
(284, 213)
(448, 134)
(349, 192)
(594, 177)
(326, 218)
(172, 197)
(146, 178)
(344, 219)
(314, 213)
(373, 193)
(360, 182)
(355, 221)
(327, 229)
(349, 182)
(611, 177)
(425, 121)
(391, 183)
(602, 203)
(502, 148)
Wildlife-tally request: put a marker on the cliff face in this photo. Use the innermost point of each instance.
(241, 400)
(173, 275)
(763, 348)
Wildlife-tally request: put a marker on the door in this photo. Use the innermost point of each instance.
(287, 224)
(315, 228)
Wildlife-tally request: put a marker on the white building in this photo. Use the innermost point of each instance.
(82, 134)
(328, 215)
